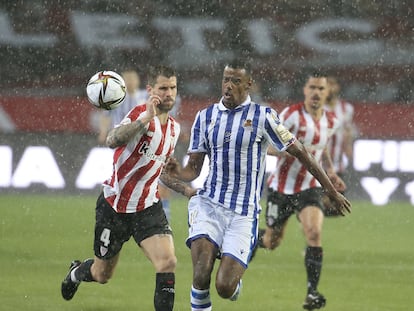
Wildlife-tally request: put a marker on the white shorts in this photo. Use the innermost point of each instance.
(233, 234)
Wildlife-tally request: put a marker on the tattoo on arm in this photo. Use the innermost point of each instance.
(123, 134)
(174, 183)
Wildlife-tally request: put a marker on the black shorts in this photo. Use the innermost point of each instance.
(113, 229)
(281, 206)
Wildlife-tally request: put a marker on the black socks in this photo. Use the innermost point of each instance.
(164, 291)
(83, 273)
(313, 264)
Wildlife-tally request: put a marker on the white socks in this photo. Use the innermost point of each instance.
(200, 299)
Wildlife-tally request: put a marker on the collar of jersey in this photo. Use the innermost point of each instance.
(224, 108)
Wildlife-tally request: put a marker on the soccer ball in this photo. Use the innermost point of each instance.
(106, 90)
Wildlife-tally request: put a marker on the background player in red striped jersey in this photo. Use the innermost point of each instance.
(129, 204)
(293, 189)
(235, 134)
(340, 145)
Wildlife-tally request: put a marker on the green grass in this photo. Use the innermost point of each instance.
(368, 261)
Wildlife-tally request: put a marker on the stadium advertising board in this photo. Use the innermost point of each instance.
(60, 153)
(381, 171)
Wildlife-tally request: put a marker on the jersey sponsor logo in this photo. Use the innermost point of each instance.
(145, 150)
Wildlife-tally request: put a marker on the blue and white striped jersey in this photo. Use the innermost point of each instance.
(236, 142)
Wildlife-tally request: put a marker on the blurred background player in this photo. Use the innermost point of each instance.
(109, 119)
(340, 145)
(293, 189)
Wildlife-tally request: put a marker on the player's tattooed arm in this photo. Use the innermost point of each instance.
(177, 185)
(123, 134)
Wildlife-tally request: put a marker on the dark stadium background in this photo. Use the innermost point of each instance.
(49, 49)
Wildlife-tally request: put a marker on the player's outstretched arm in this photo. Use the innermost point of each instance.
(177, 185)
(188, 173)
(299, 151)
(337, 181)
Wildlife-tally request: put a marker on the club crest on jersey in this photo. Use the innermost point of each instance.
(248, 123)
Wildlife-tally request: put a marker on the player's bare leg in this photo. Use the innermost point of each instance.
(272, 237)
(269, 238)
(102, 270)
(203, 254)
(159, 249)
(90, 270)
(228, 278)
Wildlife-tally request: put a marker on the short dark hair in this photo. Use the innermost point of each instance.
(317, 74)
(160, 70)
(240, 64)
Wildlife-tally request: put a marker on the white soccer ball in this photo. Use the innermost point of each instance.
(106, 90)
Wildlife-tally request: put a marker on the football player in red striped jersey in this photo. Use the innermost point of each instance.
(294, 190)
(130, 205)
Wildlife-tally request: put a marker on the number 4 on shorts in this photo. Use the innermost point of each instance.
(105, 236)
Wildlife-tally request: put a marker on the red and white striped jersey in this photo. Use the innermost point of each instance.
(291, 176)
(138, 165)
(344, 112)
